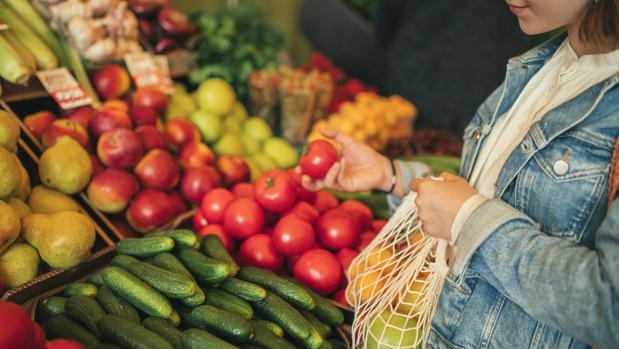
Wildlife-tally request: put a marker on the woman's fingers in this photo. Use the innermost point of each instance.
(339, 137)
(332, 175)
(311, 184)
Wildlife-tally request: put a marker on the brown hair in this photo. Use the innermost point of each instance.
(601, 22)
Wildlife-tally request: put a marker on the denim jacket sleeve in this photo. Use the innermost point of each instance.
(409, 170)
(571, 287)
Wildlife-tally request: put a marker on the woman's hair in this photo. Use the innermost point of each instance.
(601, 23)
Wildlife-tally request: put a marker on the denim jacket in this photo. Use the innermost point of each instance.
(534, 267)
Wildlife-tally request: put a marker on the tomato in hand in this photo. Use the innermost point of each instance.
(318, 158)
(319, 270)
(275, 191)
(218, 230)
(243, 218)
(304, 211)
(214, 204)
(359, 211)
(336, 229)
(258, 251)
(293, 235)
(243, 190)
(325, 201)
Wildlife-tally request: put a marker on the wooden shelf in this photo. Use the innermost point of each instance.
(15, 93)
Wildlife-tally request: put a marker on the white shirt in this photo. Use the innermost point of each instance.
(562, 78)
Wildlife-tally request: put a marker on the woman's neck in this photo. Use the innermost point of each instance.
(582, 47)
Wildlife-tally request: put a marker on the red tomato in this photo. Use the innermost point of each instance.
(345, 256)
(199, 221)
(340, 297)
(258, 251)
(325, 201)
(293, 235)
(304, 211)
(214, 204)
(378, 224)
(243, 190)
(17, 329)
(243, 218)
(268, 231)
(319, 270)
(292, 260)
(318, 158)
(336, 229)
(39, 336)
(63, 344)
(218, 230)
(302, 193)
(365, 239)
(359, 211)
(275, 191)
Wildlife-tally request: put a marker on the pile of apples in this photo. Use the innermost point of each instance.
(277, 224)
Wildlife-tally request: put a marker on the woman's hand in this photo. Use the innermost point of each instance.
(359, 168)
(438, 202)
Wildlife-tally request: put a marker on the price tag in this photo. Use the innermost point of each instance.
(3, 26)
(163, 68)
(143, 70)
(63, 87)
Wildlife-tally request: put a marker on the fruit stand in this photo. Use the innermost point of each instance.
(151, 192)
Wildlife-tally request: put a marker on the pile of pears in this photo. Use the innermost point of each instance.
(41, 227)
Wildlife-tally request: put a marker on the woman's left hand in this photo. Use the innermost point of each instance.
(438, 202)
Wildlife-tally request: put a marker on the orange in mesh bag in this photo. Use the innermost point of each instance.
(395, 283)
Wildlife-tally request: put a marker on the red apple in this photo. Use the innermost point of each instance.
(81, 115)
(143, 116)
(158, 170)
(151, 137)
(120, 148)
(112, 81)
(197, 182)
(97, 166)
(196, 154)
(118, 104)
(175, 23)
(233, 169)
(111, 190)
(39, 336)
(17, 330)
(64, 127)
(150, 97)
(107, 120)
(180, 132)
(38, 122)
(123, 228)
(149, 210)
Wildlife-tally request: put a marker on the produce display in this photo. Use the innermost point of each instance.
(173, 290)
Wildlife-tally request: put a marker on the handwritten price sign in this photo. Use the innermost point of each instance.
(63, 88)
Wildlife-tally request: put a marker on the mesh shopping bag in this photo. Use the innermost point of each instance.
(395, 283)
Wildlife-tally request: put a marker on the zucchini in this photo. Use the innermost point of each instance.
(229, 302)
(80, 289)
(183, 238)
(61, 326)
(265, 339)
(165, 329)
(204, 269)
(243, 289)
(115, 305)
(137, 292)
(95, 278)
(171, 284)
(289, 291)
(225, 324)
(145, 247)
(325, 311)
(277, 310)
(323, 329)
(198, 339)
(53, 305)
(85, 310)
(271, 326)
(214, 248)
(168, 262)
(130, 335)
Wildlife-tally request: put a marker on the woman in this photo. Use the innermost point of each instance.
(533, 267)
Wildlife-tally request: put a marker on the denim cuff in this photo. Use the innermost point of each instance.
(409, 170)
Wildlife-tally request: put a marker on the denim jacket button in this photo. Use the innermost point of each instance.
(560, 167)
(476, 136)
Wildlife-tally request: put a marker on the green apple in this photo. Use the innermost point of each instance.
(238, 111)
(252, 146)
(254, 169)
(181, 105)
(284, 155)
(264, 162)
(208, 124)
(232, 125)
(393, 330)
(216, 96)
(257, 128)
(229, 144)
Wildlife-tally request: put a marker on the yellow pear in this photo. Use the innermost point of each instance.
(45, 200)
(19, 264)
(10, 180)
(24, 188)
(65, 166)
(22, 209)
(9, 131)
(9, 225)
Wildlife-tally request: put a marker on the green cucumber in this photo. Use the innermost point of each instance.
(85, 310)
(168, 262)
(80, 289)
(61, 326)
(314, 341)
(145, 247)
(185, 315)
(171, 284)
(183, 238)
(249, 346)
(285, 315)
(243, 289)
(229, 302)
(116, 305)
(53, 305)
(273, 327)
(165, 329)
(325, 311)
(108, 346)
(198, 339)
(130, 335)
(229, 326)
(326, 345)
(137, 292)
(213, 247)
(95, 279)
(203, 268)
(265, 339)
(336, 344)
(323, 329)
(289, 291)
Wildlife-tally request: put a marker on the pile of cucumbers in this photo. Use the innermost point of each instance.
(169, 290)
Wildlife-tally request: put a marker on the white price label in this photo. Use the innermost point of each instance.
(63, 88)
(143, 70)
(161, 61)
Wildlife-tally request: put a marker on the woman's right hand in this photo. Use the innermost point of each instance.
(359, 168)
